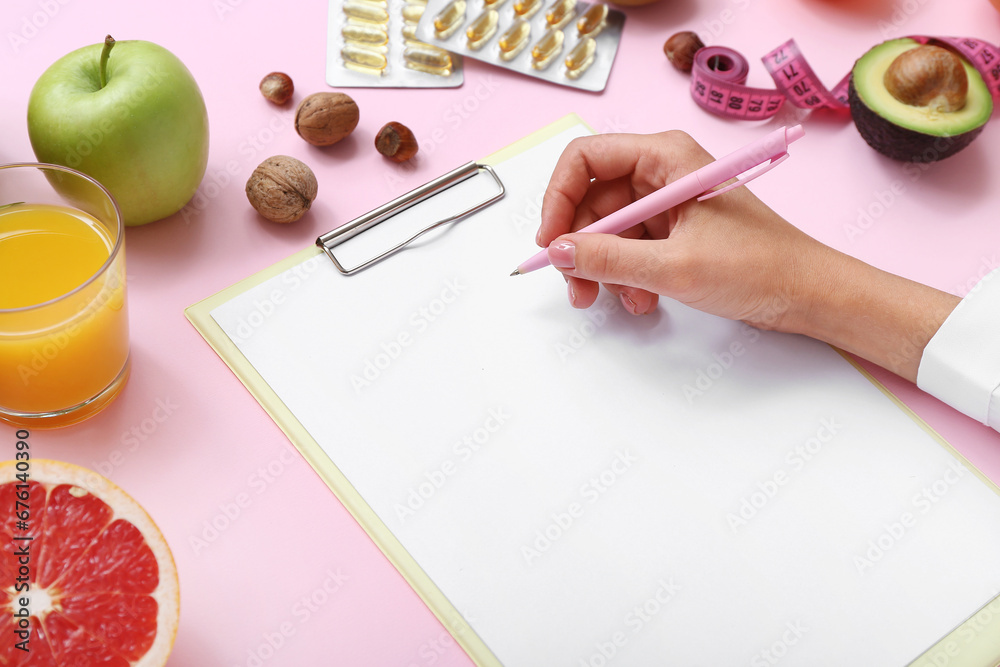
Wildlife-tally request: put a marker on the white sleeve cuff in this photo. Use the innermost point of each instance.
(961, 363)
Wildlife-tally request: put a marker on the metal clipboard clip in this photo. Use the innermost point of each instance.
(351, 229)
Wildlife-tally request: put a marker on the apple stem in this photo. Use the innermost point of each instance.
(109, 42)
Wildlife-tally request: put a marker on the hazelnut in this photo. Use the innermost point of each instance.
(928, 76)
(396, 142)
(277, 87)
(680, 49)
(282, 188)
(323, 119)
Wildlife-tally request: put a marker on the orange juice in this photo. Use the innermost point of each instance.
(63, 315)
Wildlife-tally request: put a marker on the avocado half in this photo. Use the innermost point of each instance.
(912, 133)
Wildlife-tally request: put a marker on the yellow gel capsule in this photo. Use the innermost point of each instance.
(369, 71)
(365, 57)
(593, 20)
(482, 28)
(450, 18)
(410, 30)
(437, 71)
(560, 13)
(492, 4)
(514, 39)
(365, 33)
(366, 11)
(413, 12)
(547, 48)
(427, 56)
(527, 8)
(580, 57)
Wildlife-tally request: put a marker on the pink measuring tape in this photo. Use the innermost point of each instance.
(718, 77)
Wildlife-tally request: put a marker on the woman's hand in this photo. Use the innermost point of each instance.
(731, 255)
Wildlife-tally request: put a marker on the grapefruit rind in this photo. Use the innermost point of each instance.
(167, 593)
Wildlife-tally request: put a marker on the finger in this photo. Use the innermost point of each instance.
(582, 293)
(599, 174)
(604, 198)
(599, 158)
(635, 300)
(583, 279)
(611, 260)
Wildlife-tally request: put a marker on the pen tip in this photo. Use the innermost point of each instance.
(515, 273)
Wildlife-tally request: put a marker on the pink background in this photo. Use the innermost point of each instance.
(286, 577)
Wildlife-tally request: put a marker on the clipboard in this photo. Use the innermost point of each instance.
(771, 506)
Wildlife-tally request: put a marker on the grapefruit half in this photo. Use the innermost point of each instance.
(98, 577)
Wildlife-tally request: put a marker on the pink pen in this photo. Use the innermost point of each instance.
(771, 149)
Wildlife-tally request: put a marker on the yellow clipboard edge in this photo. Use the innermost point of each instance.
(976, 641)
(200, 316)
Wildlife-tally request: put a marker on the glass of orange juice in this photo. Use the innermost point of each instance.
(64, 350)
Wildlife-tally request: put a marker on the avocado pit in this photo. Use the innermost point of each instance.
(928, 76)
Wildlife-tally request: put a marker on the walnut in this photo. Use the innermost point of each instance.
(282, 188)
(323, 119)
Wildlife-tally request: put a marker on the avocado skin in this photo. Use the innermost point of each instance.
(900, 143)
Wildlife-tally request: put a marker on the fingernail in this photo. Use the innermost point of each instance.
(562, 255)
(571, 292)
(628, 303)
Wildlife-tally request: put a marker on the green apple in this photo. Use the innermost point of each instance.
(130, 115)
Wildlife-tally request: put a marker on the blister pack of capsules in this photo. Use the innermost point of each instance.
(567, 42)
(373, 44)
